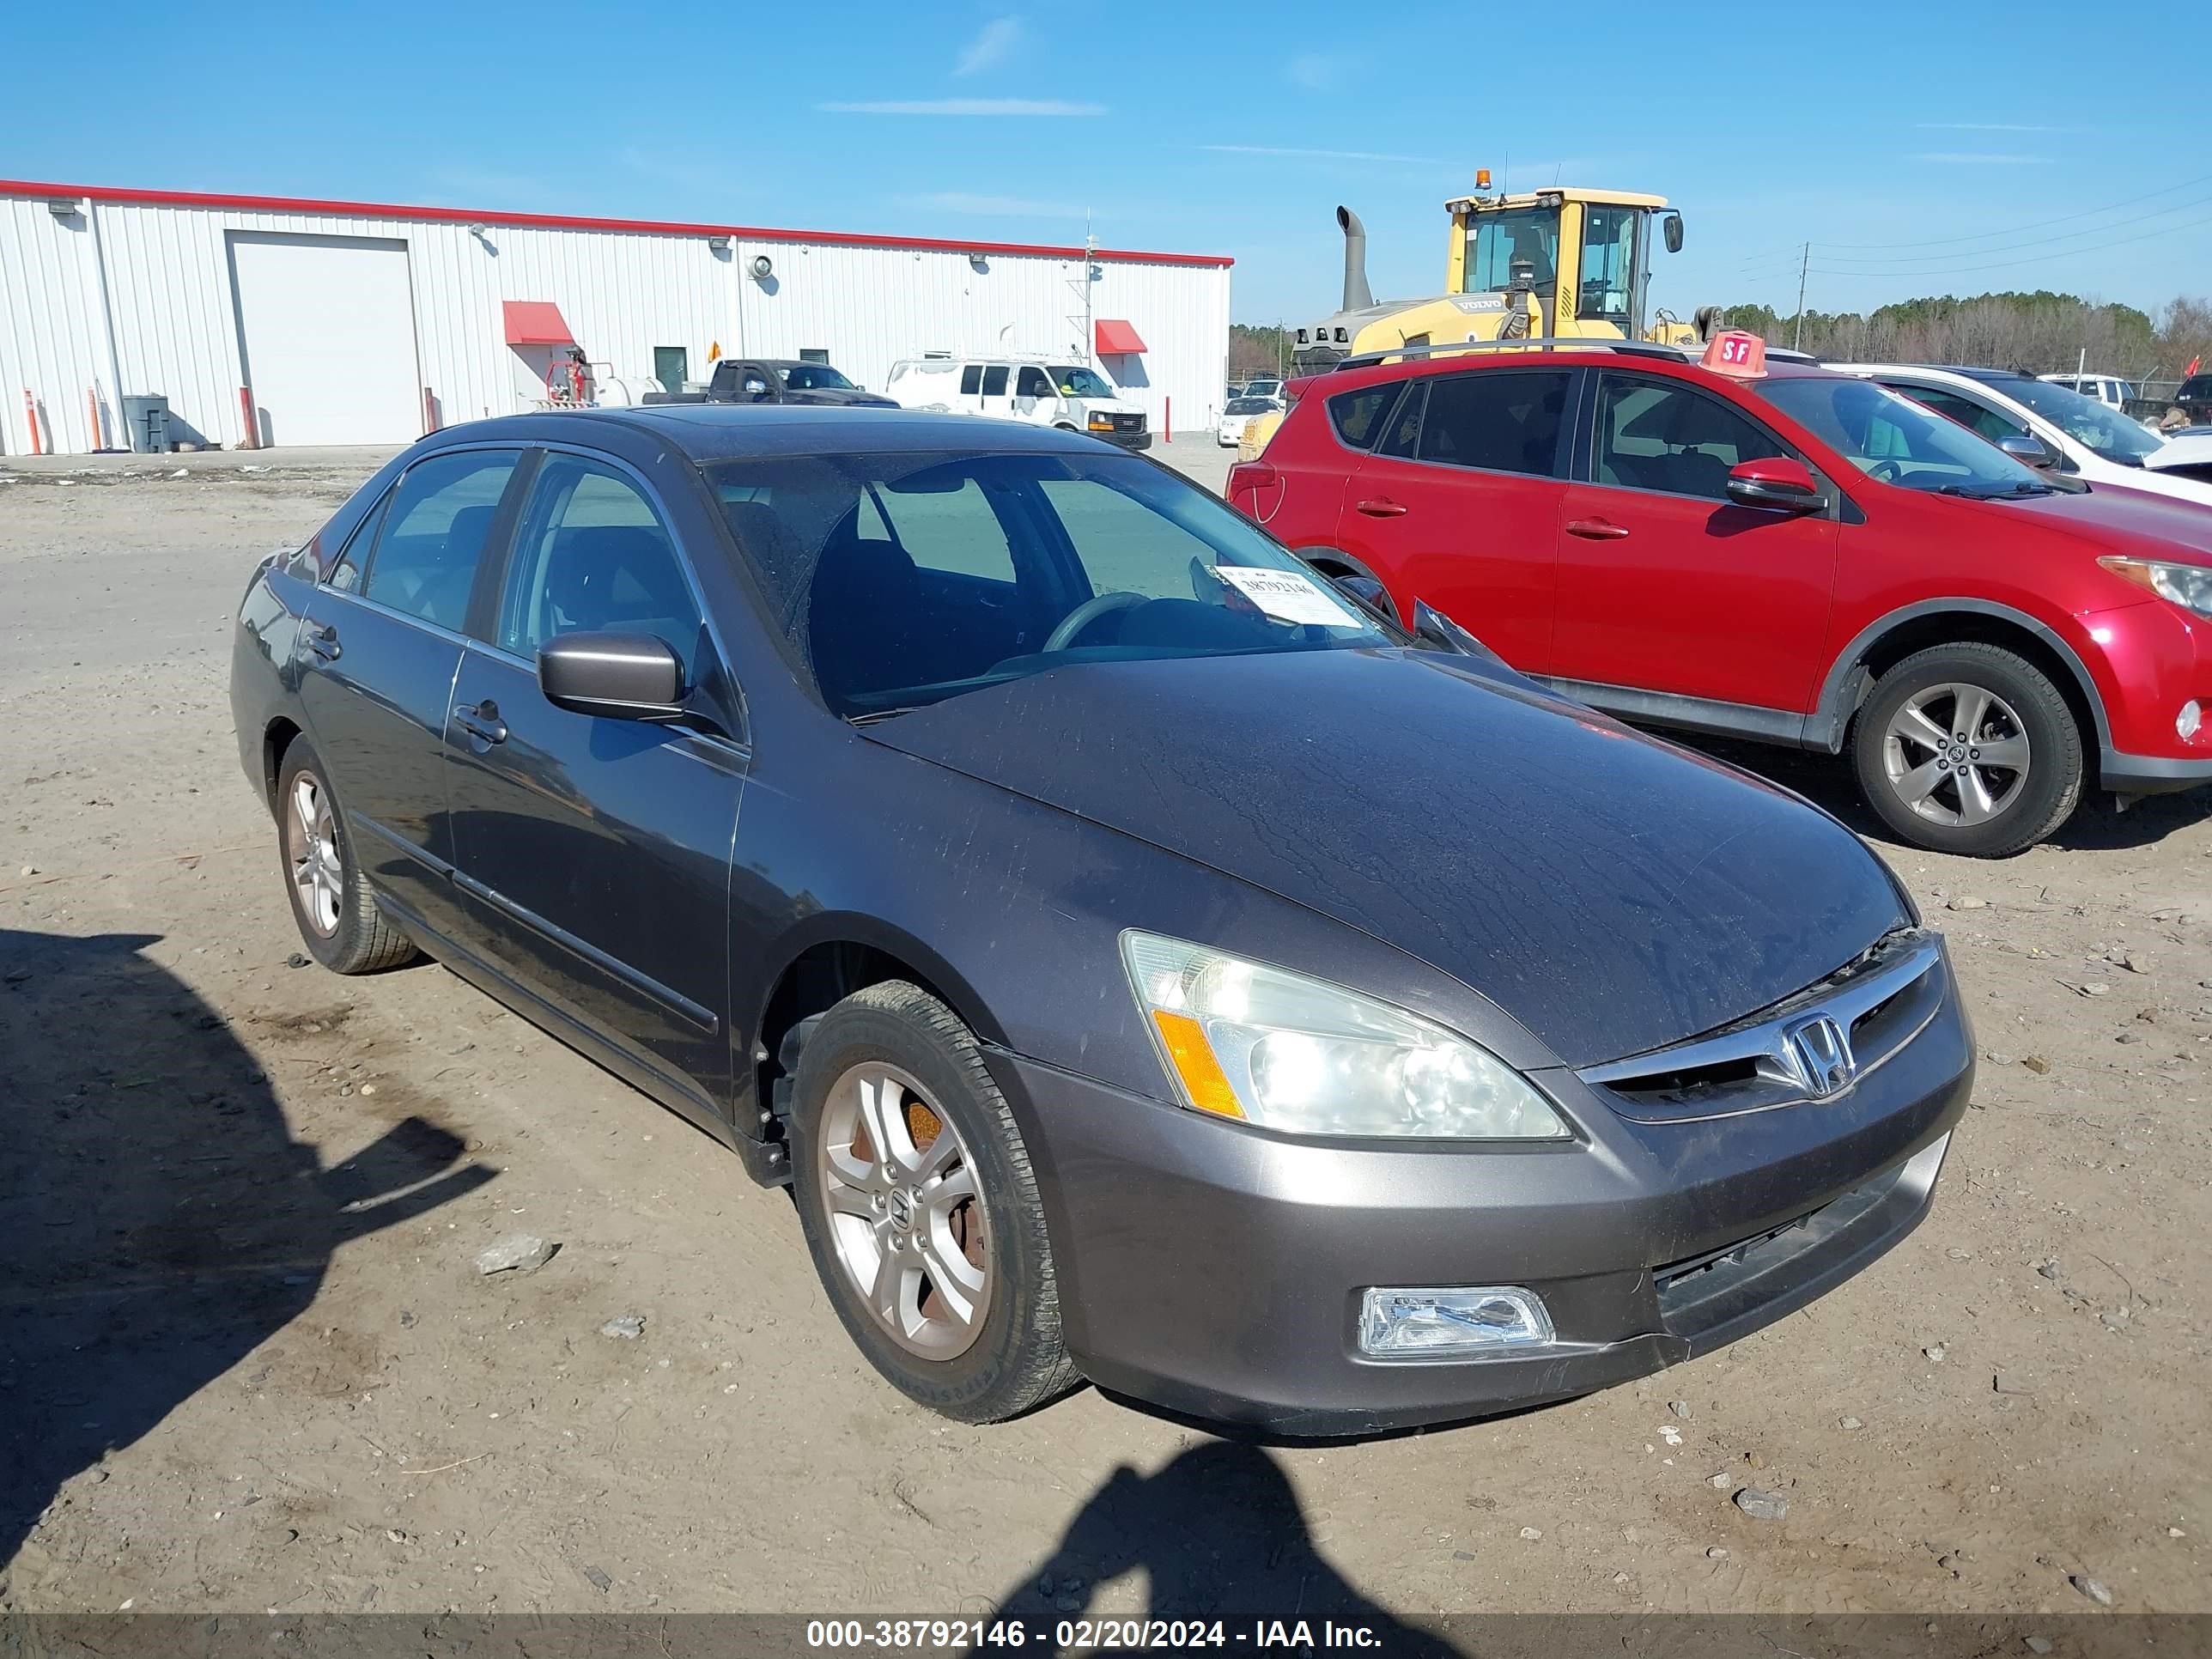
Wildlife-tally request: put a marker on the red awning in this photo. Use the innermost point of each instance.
(1118, 339)
(535, 322)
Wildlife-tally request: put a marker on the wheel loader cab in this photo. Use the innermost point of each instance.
(1551, 263)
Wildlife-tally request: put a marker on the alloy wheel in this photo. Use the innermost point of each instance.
(906, 1217)
(1956, 754)
(311, 848)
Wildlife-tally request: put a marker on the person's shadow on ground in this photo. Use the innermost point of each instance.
(1219, 1534)
(157, 1220)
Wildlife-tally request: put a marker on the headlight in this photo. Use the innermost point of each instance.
(2189, 585)
(1246, 1041)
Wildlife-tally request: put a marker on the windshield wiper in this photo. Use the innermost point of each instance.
(2008, 493)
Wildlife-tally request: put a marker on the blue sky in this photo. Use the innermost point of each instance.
(1942, 147)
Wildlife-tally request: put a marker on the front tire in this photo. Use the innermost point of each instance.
(336, 913)
(1969, 748)
(917, 1201)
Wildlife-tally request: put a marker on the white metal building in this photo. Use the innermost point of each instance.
(351, 322)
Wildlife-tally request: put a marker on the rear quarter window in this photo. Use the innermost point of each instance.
(1357, 415)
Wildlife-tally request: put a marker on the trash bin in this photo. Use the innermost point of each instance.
(147, 419)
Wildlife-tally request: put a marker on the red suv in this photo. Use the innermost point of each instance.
(1801, 558)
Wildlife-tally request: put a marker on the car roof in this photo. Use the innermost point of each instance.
(717, 432)
(1596, 353)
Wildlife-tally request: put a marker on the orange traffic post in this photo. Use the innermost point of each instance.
(31, 415)
(253, 438)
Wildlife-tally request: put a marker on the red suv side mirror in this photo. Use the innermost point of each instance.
(1778, 483)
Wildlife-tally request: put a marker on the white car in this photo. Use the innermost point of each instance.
(1237, 413)
(2076, 435)
(1268, 387)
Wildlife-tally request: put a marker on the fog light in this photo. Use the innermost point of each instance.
(1483, 1322)
(2189, 719)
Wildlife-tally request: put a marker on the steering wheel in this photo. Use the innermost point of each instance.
(1896, 470)
(1088, 612)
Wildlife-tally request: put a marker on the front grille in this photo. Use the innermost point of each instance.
(1128, 423)
(1880, 1003)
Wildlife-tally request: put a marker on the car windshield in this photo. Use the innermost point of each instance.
(1248, 406)
(906, 579)
(1262, 388)
(814, 377)
(2096, 427)
(1897, 440)
(1076, 382)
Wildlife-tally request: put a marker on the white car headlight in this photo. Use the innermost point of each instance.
(1246, 1041)
(2189, 585)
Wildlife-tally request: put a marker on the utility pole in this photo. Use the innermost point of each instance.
(1804, 263)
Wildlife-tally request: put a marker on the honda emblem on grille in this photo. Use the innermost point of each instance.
(1821, 1055)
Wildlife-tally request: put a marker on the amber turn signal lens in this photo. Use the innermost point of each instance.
(1192, 1055)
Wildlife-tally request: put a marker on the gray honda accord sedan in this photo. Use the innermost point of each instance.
(1143, 961)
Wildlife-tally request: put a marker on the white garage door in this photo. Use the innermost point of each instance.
(327, 326)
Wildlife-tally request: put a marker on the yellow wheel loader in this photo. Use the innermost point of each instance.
(1544, 265)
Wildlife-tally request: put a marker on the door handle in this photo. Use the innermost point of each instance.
(482, 722)
(324, 641)
(1596, 530)
(1381, 507)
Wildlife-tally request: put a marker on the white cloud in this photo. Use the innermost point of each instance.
(1977, 158)
(965, 106)
(1314, 72)
(991, 46)
(1320, 155)
(993, 207)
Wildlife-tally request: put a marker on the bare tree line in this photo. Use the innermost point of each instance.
(2040, 333)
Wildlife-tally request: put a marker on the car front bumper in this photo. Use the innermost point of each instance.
(1126, 439)
(1218, 1270)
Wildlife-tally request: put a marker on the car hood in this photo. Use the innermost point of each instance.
(2115, 515)
(1611, 892)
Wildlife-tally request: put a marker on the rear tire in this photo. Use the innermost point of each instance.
(935, 1257)
(331, 903)
(1969, 748)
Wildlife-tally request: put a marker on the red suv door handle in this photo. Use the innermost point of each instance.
(1596, 530)
(1381, 507)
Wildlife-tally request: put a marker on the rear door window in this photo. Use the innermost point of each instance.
(1499, 422)
(971, 379)
(994, 380)
(434, 534)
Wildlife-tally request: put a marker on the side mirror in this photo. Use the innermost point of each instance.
(1369, 595)
(1670, 230)
(1778, 483)
(1434, 629)
(622, 676)
(2029, 450)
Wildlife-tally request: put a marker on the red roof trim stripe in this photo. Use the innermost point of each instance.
(571, 222)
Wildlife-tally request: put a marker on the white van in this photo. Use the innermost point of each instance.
(2109, 390)
(1034, 390)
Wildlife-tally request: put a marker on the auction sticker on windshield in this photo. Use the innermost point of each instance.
(1290, 596)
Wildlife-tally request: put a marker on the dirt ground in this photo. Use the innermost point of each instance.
(247, 1364)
